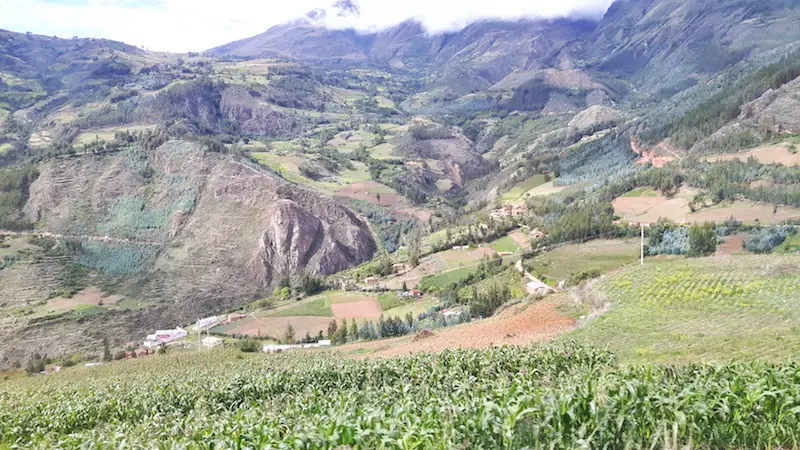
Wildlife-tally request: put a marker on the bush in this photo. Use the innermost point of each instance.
(250, 345)
(702, 240)
(766, 239)
(579, 277)
(673, 242)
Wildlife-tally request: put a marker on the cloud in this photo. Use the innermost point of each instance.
(184, 25)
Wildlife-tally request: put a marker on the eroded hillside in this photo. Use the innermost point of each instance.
(187, 230)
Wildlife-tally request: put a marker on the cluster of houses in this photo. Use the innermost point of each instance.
(164, 337)
(506, 211)
(174, 336)
(414, 293)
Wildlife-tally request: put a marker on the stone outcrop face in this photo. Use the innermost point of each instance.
(189, 232)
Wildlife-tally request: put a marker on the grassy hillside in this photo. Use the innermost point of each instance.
(710, 309)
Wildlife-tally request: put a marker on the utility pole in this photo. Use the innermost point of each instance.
(642, 251)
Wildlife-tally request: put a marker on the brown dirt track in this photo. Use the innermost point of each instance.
(517, 326)
(732, 245)
(520, 238)
(360, 309)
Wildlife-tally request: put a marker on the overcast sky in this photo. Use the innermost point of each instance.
(195, 25)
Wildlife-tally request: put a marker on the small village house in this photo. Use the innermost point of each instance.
(162, 337)
(202, 324)
(536, 234)
(211, 342)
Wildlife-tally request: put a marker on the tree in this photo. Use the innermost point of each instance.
(106, 350)
(332, 327)
(120, 355)
(405, 287)
(340, 337)
(702, 240)
(30, 368)
(288, 335)
(286, 293)
(367, 331)
(385, 266)
(410, 319)
(353, 335)
(414, 247)
(249, 346)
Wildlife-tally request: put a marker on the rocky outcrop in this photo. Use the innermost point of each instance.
(776, 110)
(595, 118)
(189, 232)
(239, 106)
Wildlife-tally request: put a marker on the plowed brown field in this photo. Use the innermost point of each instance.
(362, 309)
(519, 325)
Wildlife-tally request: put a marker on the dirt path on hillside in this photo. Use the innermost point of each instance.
(732, 245)
(519, 325)
(78, 237)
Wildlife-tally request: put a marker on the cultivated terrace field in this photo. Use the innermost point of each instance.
(691, 310)
(559, 396)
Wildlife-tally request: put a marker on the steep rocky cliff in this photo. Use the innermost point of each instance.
(187, 231)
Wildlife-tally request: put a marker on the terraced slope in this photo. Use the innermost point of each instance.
(710, 309)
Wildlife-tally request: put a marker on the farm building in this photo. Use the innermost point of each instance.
(141, 352)
(211, 341)
(399, 268)
(371, 280)
(449, 313)
(536, 234)
(515, 210)
(207, 322)
(415, 293)
(233, 317)
(164, 337)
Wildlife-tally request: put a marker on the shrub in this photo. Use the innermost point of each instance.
(579, 277)
(673, 242)
(702, 240)
(249, 345)
(766, 239)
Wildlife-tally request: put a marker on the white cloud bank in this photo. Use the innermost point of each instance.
(184, 25)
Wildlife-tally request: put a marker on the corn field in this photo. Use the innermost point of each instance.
(557, 396)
